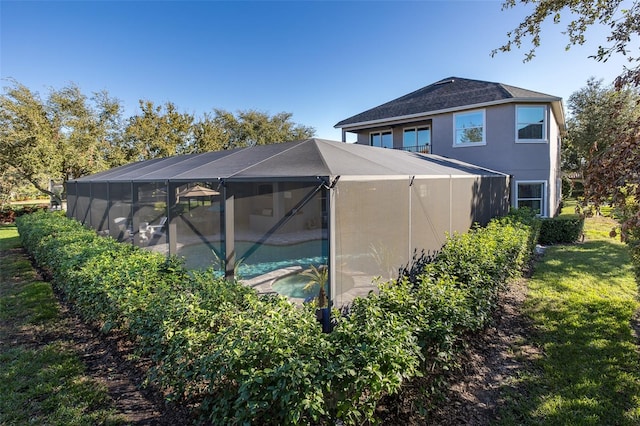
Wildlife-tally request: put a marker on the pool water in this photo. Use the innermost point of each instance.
(293, 286)
(258, 260)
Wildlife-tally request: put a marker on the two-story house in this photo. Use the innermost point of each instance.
(505, 128)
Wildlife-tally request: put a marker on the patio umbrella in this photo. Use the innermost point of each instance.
(198, 191)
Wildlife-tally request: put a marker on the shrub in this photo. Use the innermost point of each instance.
(561, 229)
(249, 359)
(9, 213)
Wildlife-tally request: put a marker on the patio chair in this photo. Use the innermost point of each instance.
(157, 230)
(144, 231)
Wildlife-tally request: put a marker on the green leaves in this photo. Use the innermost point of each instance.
(561, 229)
(250, 359)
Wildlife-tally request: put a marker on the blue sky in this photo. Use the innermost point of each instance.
(323, 61)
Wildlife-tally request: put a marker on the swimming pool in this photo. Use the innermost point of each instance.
(257, 259)
(293, 286)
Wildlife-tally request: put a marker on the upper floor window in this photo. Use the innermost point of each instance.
(417, 139)
(469, 128)
(381, 139)
(531, 123)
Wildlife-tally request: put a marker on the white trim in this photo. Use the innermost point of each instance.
(484, 128)
(545, 195)
(545, 125)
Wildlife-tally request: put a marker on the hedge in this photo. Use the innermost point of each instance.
(242, 358)
(561, 229)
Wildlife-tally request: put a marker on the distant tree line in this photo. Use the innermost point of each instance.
(69, 134)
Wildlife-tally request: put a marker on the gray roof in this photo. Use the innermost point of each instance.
(446, 95)
(299, 160)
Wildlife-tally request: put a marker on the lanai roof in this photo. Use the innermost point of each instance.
(310, 158)
(449, 94)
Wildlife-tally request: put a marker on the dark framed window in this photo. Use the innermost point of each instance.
(381, 139)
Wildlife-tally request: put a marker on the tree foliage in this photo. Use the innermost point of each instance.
(613, 176)
(157, 132)
(225, 130)
(622, 17)
(67, 135)
(163, 131)
(597, 113)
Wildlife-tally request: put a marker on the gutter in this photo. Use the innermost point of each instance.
(424, 115)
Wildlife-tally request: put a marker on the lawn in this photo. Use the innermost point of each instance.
(582, 301)
(42, 380)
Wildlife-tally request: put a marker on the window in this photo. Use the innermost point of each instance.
(382, 139)
(417, 139)
(532, 195)
(469, 128)
(531, 123)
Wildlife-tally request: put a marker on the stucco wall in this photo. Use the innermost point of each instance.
(537, 161)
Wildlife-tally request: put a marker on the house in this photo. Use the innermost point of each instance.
(500, 127)
(273, 210)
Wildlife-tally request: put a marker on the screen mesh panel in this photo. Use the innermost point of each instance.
(83, 202)
(100, 207)
(372, 234)
(120, 211)
(196, 216)
(280, 228)
(464, 196)
(150, 228)
(430, 214)
(71, 199)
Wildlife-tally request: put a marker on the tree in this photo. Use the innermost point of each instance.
(88, 133)
(248, 128)
(624, 24)
(157, 132)
(27, 137)
(209, 135)
(613, 176)
(66, 136)
(594, 112)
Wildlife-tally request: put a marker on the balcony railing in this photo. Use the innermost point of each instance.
(423, 149)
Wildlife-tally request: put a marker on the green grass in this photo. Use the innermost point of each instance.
(9, 237)
(40, 382)
(581, 302)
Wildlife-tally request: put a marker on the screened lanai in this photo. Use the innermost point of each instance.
(264, 214)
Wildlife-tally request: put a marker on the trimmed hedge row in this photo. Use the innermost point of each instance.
(243, 358)
(561, 229)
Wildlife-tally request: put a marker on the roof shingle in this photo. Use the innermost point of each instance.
(446, 94)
